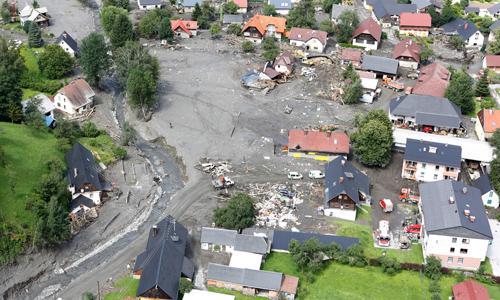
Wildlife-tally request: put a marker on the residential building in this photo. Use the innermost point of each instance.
(470, 290)
(283, 63)
(488, 120)
(351, 56)
(46, 108)
(432, 80)
(491, 10)
(38, 15)
(68, 44)
(416, 24)
(345, 188)
(232, 19)
(407, 52)
(163, 263)
(188, 5)
(225, 240)
(242, 6)
(367, 35)
(75, 98)
(382, 66)
(184, 28)
(428, 161)
(272, 285)
(493, 27)
(426, 113)
(387, 12)
(338, 9)
(492, 63)
(149, 4)
(455, 224)
(317, 144)
(282, 7)
(281, 239)
(309, 39)
(489, 195)
(423, 6)
(467, 30)
(259, 27)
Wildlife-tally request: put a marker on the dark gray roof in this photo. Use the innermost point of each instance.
(281, 239)
(228, 19)
(385, 8)
(433, 153)
(164, 262)
(218, 236)
(470, 9)
(82, 168)
(353, 180)
(250, 243)
(425, 3)
(150, 2)
(445, 218)
(483, 184)
(427, 110)
(458, 27)
(495, 25)
(240, 242)
(68, 40)
(264, 280)
(494, 8)
(191, 3)
(81, 200)
(281, 4)
(380, 64)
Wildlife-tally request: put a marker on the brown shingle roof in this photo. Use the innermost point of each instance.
(407, 49)
(433, 80)
(369, 26)
(492, 61)
(415, 20)
(261, 22)
(305, 34)
(78, 92)
(289, 284)
(328, 142)
(350, 54)
(470, 290)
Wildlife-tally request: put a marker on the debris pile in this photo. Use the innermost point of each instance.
(214, 168)
(308, 72)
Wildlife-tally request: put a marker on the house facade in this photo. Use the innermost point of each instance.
(309, 39)
(407, 52)
(259, 27)
(75, 98)
(467, 30)
(487, 122)
(367, 35)
(492, 63)
(150, 4)
(489, 195)
(415, 24)
(184, 28)
(68, 44)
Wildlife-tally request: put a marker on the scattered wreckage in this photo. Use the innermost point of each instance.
(218, 171)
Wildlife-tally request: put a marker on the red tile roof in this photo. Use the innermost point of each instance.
(241, 3)
(78, 92)
(407, 19)
(369, 26)
(351, 54)
(490, 119)
(261, 22)
(407, 49)
(433, 80)
(470, 290)
(289, 284)
(492, 61)
(184, 25)
(305, 34)
(327, 142)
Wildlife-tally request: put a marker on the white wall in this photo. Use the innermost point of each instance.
(479, 130)
(223, 248)
(346, 214)
(314, 45)
(475, 41)
(67, 48)
(64, 104)
(426, 172)
(408, 64)
(363, 43)
(490, 199)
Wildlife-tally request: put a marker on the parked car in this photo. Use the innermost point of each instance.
(316, 174)
(294, 175)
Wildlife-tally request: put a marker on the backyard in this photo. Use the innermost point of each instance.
(123, 288)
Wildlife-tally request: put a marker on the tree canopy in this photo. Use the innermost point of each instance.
(94, 58)
(34, 36)
(269, 10)
(108, 16)
(141, 89)
(118, 3)
(150, 25)
(302, 15)
(230, 8)
(134, 55)
(271, 49)
(121, 31)
(494, 46)
(54, 62)
(11, 72)
(348, 22)
(482, 89)
(238, 214)
(352, 87)
(461, 91)
(165, 31)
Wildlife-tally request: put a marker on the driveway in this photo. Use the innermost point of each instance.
(494, 249)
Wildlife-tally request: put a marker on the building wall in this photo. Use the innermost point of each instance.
(222, 248)
(67, 48)
(312, 45)
(242, 10)
(427, 172)
(479, 130)
(408, 31)
(148, 7)
(475, 41)
(181, 33)
(346, 214)
(408, 64)
(62, 102)
(490, 199)
(283, 12)
(363, 43)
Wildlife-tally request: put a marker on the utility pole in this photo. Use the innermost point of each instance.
(98, 291)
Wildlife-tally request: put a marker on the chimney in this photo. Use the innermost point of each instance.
(451, 200)
(472, 218)
(466, 25)
(464, 190)
(466, 212)
(155, 230)
(306, 132)
(341, 179)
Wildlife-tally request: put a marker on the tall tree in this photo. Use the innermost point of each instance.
(494, 46)
(461, 91)
(230, 8)
(482, 89)
(134, 55)
(353, 91)
(196, 12)
(141, 89)
(94, 57)
(121, 31)
(302, 15)
(118, 3)
(11, 72)
(5, 12)
(269, 10)
(271, 49)
(149, 25)
(238, 214)
(32, 115)
(54, 62)
(447, 14)
(166, 32)
(108, 16)
(348, 21)
(34, 36)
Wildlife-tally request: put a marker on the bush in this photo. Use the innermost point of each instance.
(247, 46)
(120, 152)
(234, 29)
(384, 35)
(389, 265)
(29, 81)
(90, 130)
(63, 145)
(432, 268)
(434, 287)
(185, 285)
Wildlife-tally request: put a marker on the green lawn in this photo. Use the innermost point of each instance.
(102, 147)
(29, 93)
(239, 296)
(124, 287)
(16, 26)
(30, 56)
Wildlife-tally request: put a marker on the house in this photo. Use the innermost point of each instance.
(232, 19)
(387, 12)
(259, 27)
(432, 80)
(382, 66)
(427, 161)
(206, 295)
(150, 4)
(467, 30)
(283, 63)
(184, 28)
(46, 108)
(493, 27)
(188, 5)
(75, 98)
(281, 239)
(367, 35)
(86, 183)
(455, 224)
(407, 52)
(272, 285)
(225, 240)
(369, 82)
(488, 120)
(489, 195)
(243, 6)
(423, 6)
(345, 188)
(317, 144)
(425, 113)
(416, 24)
(38, 15)
(491, 10)
(283, 7)
(309, 39)
(160, 267)
(470, 290)
(351, 56)
(337, 10)
(492, 63)
(68, 44)
(494, 11)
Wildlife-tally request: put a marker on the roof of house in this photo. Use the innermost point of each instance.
(281, 4)
(240, 242)
(82, 168)
(241, 3)
(449, 217)
(351, 54)
(342, 177)
(232, 19)
(490, 119)
(286, 59)
(407, 49)
(385, 8)
(191, 3)
(433, 80)
(492, 61)
(65, 37)
(470, 290)
(282, 239)
(427, 110)
(218, 236)
(45, 104)
(495, 25)
(433, 153)
(260, 22)
(328, 142)
(338, 9)
(461, 27)
(415, 20)
(290, 284)
(380, 64)
(264, 280)
(425, 3)
(483, 184)
(306, 34)
(245, 260)
(184, 25)
(78, 92)
(164, 262)
(495, 8)
(81, 200)
(471, 9)
(150, 2)
(371, 27)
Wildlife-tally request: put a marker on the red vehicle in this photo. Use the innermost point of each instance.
(427, 129)
(407, 195)
(386, 205)
(413, 228)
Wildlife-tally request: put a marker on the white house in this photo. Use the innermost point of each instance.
(229, 241)
(68, 44)
(467, 30)
(309, 39)
(37, 15)
(75, 98)
(489, 195)
(367, 35)
(149, 4)
(455, 224)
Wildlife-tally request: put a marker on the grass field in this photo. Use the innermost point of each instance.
(102, 146)
(30, 56)
(123, 288)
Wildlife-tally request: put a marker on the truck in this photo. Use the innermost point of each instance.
(393, 85)
(222, 182)
(386, 204)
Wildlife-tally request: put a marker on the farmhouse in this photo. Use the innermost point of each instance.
(68, 44)
(381, 66)
(489, 195)
(467, 30)
(184, 28)
(488, 120)
(149, 4)
(259, 27)
(75, 98)
(305, 143)
(416, 24)
(387, 12)
(432, 81)
(351, 56)
(407, 52)
(38, 15)
(225, 240)
(309, 39)
(367, 35)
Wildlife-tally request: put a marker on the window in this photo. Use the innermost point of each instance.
(488, 202)
(465, 241)
(437, 168)
(454, 240)
(460, 260)
(490, 194)
(463, 251)
(424, 165)
(452, 249)
(435, 176)
(450, 260)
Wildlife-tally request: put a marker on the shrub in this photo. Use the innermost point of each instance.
(185, 285)
(434, 287)
(432, 268)
(90, 130)
(120, 152)
(389, 265)
(63, 145)
(247, 46)
(234, 29)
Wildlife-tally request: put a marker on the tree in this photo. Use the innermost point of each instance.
(482, 89)
(14, 111)
(150, 25)
(215, 29)
(54, 62)
(461, 91)
(134, 55)
(234, 29)
(247, 46)
(90, 130)
(118, 3)
(26, 26)
(271, 49)
(66, 129)
(352, 91)
(121, 31)
(230, 8)
(185, 286)
(141, 89)
(307, 255)
(35, 4)
(5, 12)
(94, 58)
(11, 72)
(269, 10)
(326, 25)
(495, 172)
(196, 12)
(207, 15)
(238, 214)
(328, 4)
(447, 13)
(165, 32)
(108, 16)
(348, 21)
(390, 265)
(32, 115)
(494, 46)
(456, 42)
(34, 36)
(302, 15)
(432, 268)
(435, 17)
(425, 54)
(129, 135)
(349, 73)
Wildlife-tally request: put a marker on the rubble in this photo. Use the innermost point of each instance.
(215, 168)
(308, 72)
